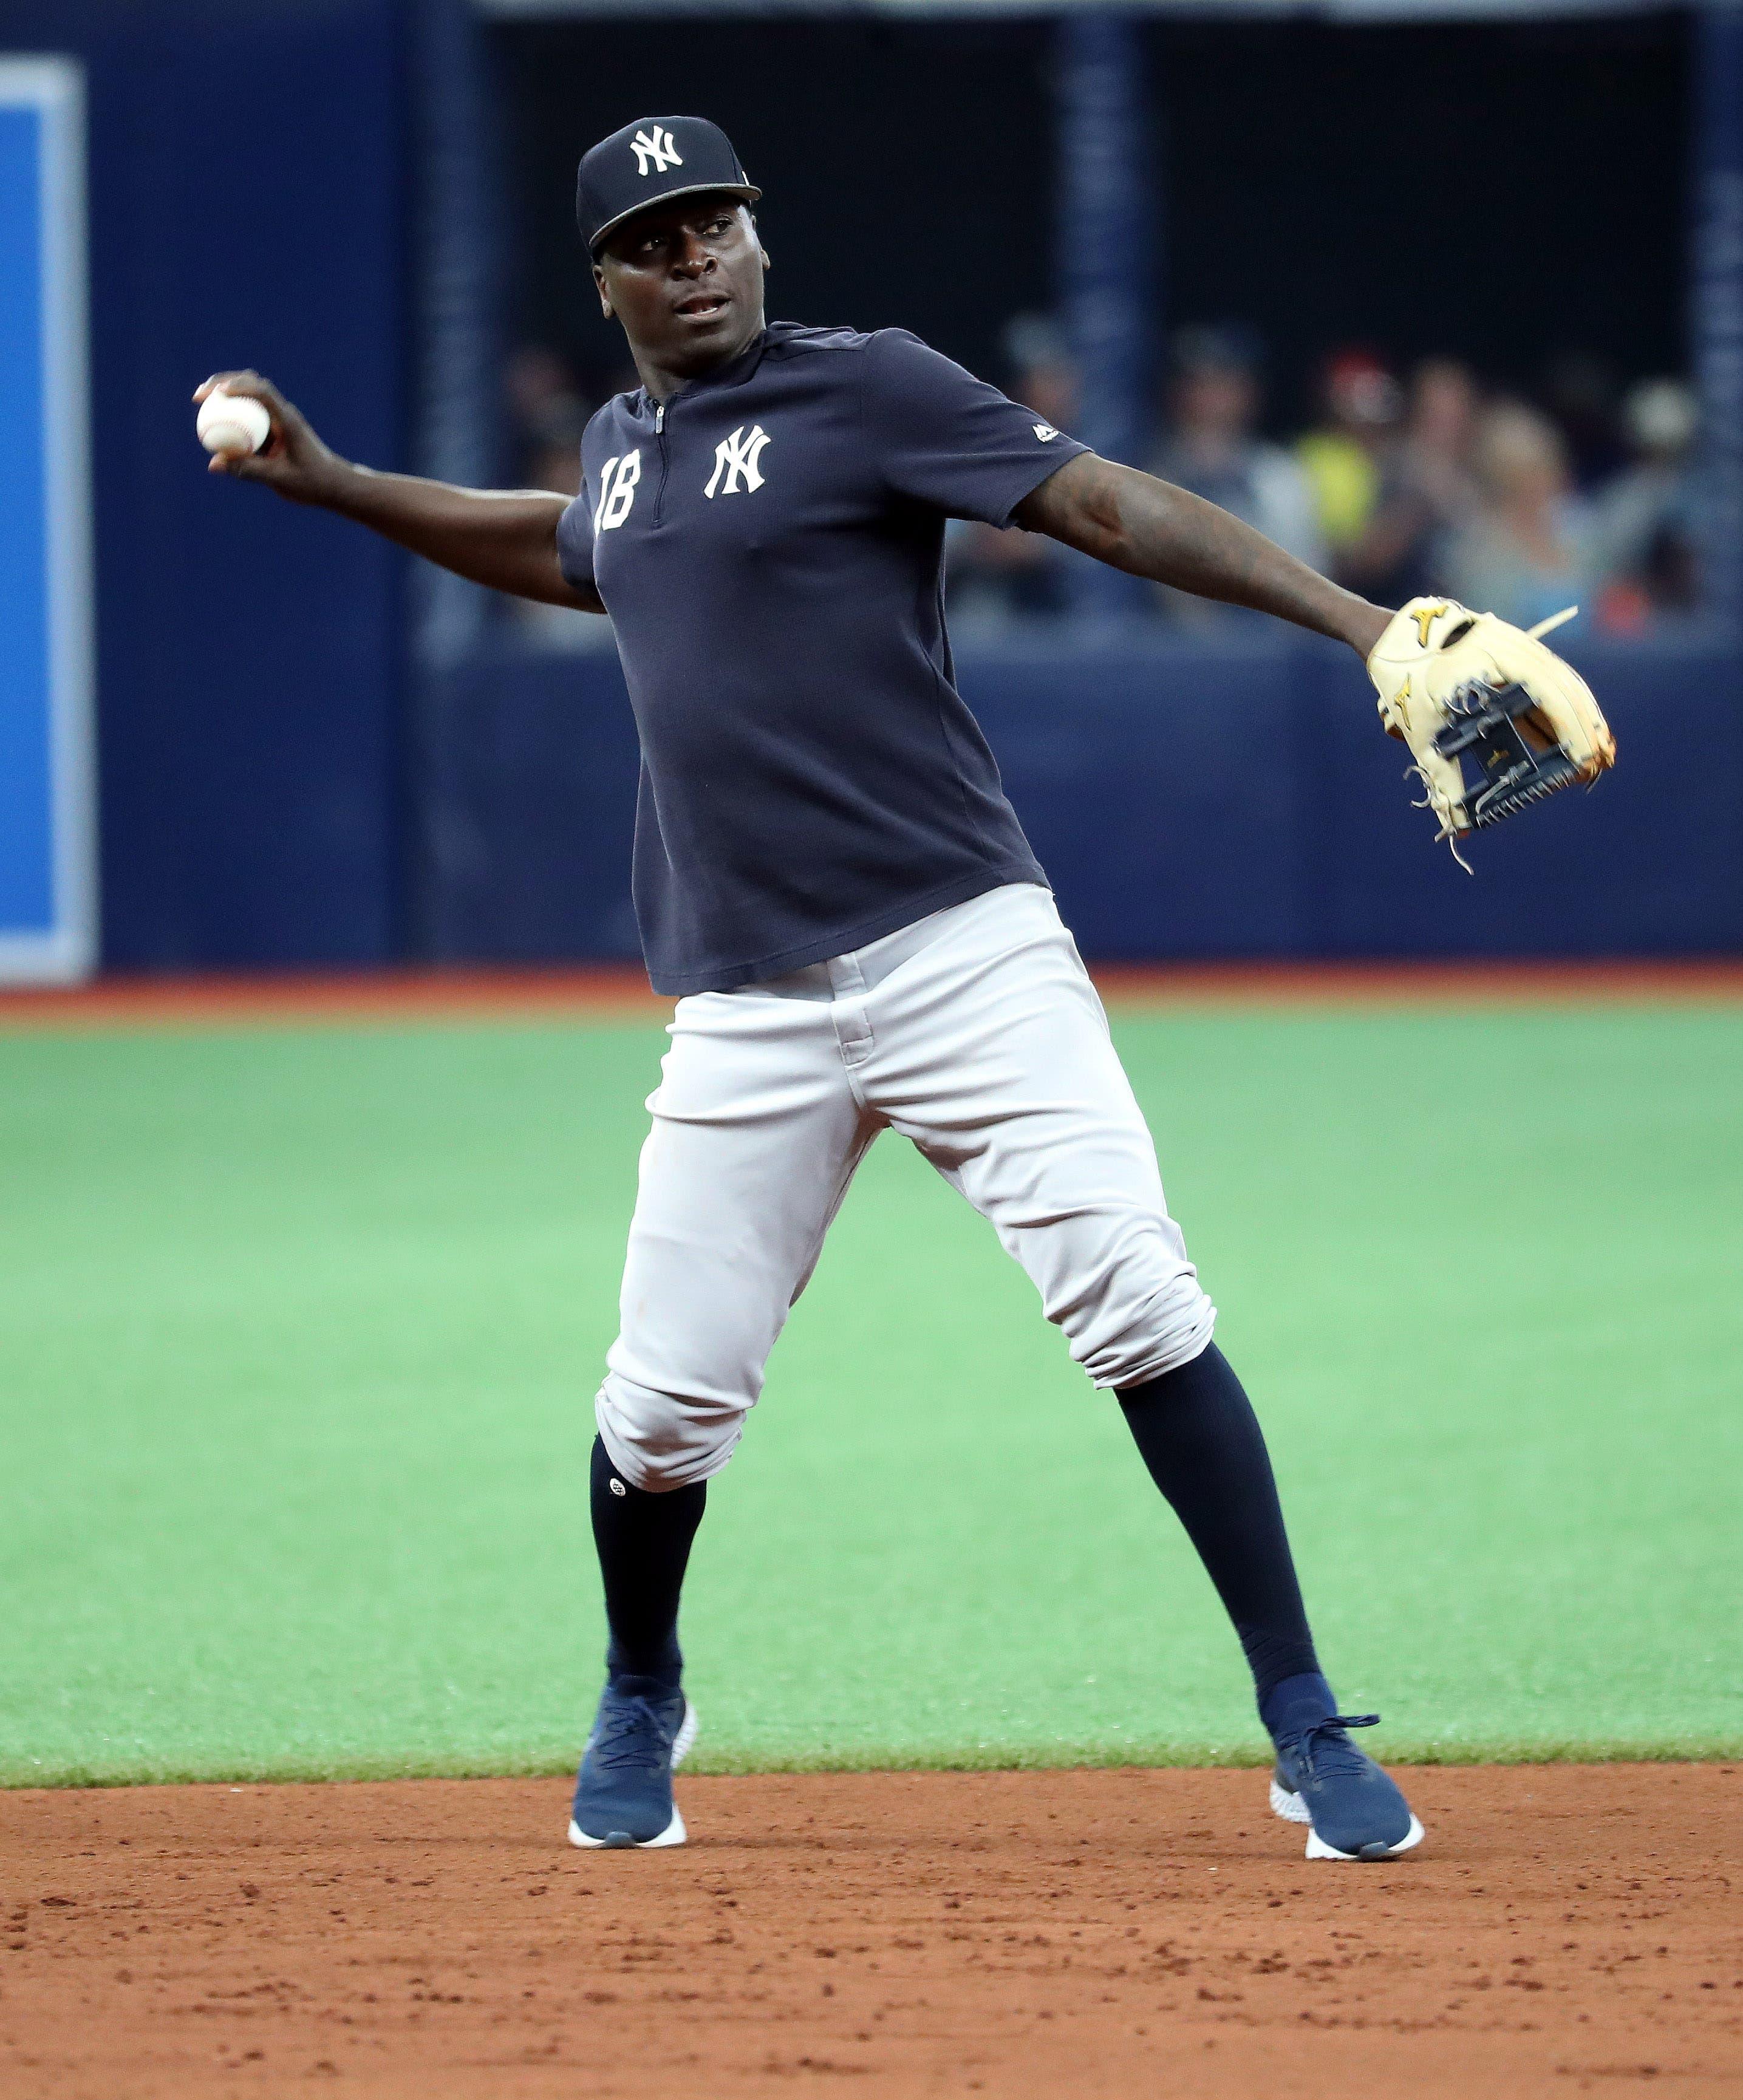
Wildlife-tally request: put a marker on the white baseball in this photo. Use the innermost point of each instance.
(232, 423)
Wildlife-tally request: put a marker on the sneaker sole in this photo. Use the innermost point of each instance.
(1293, 1809)
(674, 1833)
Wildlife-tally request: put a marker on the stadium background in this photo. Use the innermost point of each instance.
(372, 200)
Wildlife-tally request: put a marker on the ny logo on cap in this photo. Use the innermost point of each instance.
(656, 153)
(735, 456)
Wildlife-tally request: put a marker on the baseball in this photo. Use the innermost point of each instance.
(232, 423)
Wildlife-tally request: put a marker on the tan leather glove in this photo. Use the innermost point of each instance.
(1464, 688)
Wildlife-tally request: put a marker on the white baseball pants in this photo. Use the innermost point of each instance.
(977, 1034)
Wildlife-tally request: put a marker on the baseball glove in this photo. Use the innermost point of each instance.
(1458, 685)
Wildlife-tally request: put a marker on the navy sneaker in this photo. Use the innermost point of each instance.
(622, 1795)
(1354, 1811)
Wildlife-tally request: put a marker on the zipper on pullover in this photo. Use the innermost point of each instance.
(660, 492)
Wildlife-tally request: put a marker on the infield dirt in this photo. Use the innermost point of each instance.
(1566, 1929)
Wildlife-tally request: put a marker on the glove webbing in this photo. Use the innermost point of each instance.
(1514, 775)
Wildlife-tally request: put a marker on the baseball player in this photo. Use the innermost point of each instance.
(829, 879)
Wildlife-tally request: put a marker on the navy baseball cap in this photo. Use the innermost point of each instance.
(648, 161)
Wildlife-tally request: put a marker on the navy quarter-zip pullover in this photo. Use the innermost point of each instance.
(769, 543)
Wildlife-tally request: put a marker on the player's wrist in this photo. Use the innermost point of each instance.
(1362, 625)
(342, 485)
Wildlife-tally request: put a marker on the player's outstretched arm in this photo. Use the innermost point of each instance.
(1150, 528)
(506, 539)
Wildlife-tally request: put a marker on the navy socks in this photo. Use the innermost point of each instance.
(643, 1541)
(1198, 1433)
(1295, 1704)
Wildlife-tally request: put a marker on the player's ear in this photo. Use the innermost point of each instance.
(750, 220)
(604, 297)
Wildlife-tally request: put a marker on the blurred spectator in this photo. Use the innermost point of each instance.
(1343, 458)
(1212, 448)
(1582, 392)
(1643, 520)
(1044, 372)
(995, 576)
(1427, 489)
(547, 414)
(1522, 553)
(1398, 495)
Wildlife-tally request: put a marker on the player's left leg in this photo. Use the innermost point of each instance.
(992, 1054)
(1200, 1440)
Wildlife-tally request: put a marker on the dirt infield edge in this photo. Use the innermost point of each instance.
(620, 992)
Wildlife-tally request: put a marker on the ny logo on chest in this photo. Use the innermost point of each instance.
(736, 458)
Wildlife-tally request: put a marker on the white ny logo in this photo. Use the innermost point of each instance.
(658, 152)
(617, 486)
(738, 456)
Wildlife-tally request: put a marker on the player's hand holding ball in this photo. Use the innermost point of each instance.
(232, 423)
(253, 434)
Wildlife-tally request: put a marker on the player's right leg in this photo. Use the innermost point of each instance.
(756, 1136)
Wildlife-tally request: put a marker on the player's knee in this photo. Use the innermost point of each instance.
(661, 1441)
(1152, 1324)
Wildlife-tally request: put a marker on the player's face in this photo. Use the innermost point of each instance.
(685, 280)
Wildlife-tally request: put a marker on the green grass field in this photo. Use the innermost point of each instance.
(299, 1330)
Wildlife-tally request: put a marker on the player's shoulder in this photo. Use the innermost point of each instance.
(786, 341)
(789, 340)
(895, 375)
(631, 402)
(607, 425)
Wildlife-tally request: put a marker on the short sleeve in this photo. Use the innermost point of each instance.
(575, 544)
(943, 437)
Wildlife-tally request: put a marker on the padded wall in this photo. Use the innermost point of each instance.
(1202, 803)
(246, 169)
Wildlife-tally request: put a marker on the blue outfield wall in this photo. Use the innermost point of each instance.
(1190, 804)
(247, 205)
